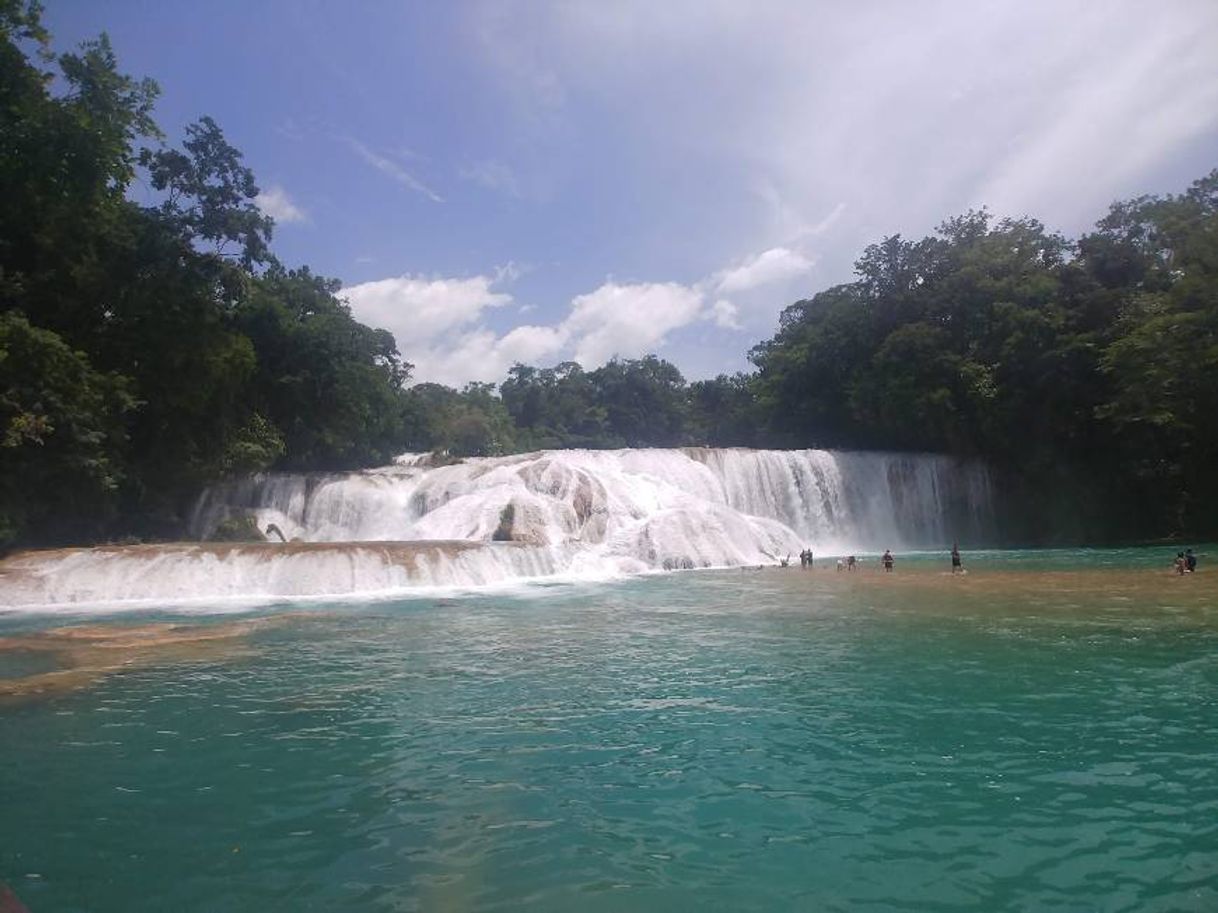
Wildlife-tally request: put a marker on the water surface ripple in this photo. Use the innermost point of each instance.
(1020, 740)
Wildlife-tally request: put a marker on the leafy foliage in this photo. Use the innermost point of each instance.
(148, 350)
(1086, 372)
(209, 194)
(61, 434)
(625, 403)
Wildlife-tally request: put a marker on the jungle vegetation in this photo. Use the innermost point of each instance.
(148, 349)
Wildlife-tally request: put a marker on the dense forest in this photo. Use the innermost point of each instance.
(1085, 372)
(148, 349)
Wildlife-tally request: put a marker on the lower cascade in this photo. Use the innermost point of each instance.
(573, 513)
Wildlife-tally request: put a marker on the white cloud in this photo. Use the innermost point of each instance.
(415, 308)
(275, 202)
(483, 356)
(822, 127)
(528, 343)
(439, 322)
(725, 314)
(628, 320)
(778, 264)
(393, 170)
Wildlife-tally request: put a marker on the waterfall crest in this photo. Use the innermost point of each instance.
(576, 513)
(734, 505)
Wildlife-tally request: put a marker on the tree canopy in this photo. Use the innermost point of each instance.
(149, 349)
(1085, 371)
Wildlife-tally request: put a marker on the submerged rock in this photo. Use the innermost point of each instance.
(239, 528)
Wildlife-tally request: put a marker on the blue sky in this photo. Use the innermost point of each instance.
(535, 181)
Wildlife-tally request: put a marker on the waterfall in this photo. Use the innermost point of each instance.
(187, 572)
(833, 501)
(575, 513)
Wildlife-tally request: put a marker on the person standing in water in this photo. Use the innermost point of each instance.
(957, 566)
(1190, 561)
(887, 559)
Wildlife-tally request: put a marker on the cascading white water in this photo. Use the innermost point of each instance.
(183, 572)
(832, 501)
(579, 513)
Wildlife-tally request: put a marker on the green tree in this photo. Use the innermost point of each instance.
(723, 412)
(331, 385)
(62, 437)
(555, 407)
(475, 422)
(209, 194)
(644, 401)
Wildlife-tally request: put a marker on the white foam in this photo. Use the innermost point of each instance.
(578, 514)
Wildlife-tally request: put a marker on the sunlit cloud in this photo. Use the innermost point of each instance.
(778, 264)
(725, 314)
(440, 323)
(275, 202)
(418, 307)
(742, 156)
(482, 355)
(628, 320)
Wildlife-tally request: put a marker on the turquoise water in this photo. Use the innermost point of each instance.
(1027, 738)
